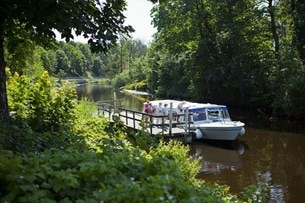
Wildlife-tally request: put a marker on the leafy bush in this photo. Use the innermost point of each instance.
(39, 103)
(49, 116)
(23, 139)
(140, 86)
(120, 173)
(120, 80)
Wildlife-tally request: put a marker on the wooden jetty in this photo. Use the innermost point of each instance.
(167, 126)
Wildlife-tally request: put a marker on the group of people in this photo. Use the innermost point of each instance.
(160, 110)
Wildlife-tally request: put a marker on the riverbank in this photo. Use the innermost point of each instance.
(84, 80)
(141, 93)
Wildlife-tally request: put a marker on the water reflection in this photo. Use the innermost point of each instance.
(107, 94)
(218, 156)
(276, 191)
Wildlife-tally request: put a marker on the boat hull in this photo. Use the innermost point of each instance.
(219, 131)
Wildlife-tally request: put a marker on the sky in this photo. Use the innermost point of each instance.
(138, 16)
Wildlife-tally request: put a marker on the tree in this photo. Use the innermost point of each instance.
(48, 59)
(99, 21)
(63, 63)
(76, 58)
(222, 46)
(298, 13)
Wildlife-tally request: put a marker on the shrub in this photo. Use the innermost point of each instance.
(39, 103)
(49, 116)
(120, 173)
(140, 86)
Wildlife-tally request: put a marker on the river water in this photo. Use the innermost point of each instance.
(271, 151)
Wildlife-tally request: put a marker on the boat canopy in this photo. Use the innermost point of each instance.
(213, 113)
(200, 111)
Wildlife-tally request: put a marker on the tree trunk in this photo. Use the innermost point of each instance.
(274, 27)
(4, 113)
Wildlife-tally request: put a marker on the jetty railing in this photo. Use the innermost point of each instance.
(143, 121)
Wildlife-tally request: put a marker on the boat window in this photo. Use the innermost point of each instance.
(199, 115)
(225, 113)
(214, 114)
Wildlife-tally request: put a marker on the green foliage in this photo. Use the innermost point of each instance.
(76, 59)
(126, 64)
(100, 22)
(43, 114)
(105, 82)
(250, 50)
(120, 80)
(120, 173)
(298, 15)
(39, 103)
(214, 45)
(290, 98)
(19, 50)
(48, 116)
(140, 86)
(255, 194)
(91, 19)
(142, 138)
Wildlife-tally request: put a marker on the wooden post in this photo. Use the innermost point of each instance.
(114, 102)
(170, 117)
(186, 119)
(163, 124)
(109, 108)
(150, 123)
(134, 119)
(126, 116)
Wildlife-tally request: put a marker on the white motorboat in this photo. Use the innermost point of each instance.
(208, 121)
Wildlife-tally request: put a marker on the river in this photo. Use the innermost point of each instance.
(271, 151)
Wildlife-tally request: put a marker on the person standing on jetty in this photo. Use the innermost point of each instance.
(159, 113)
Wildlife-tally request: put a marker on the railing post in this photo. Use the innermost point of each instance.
(162, 124)
(134, 120)
(110, 110)
(114, 102)
(186, 119)
(189, 122)
(151, 123)
(126, 116)
(170, 118)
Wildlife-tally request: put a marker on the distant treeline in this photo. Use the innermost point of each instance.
(75, 59)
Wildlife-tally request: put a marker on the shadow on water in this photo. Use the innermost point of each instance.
(225, 144)
(218, 155)
(258, 120)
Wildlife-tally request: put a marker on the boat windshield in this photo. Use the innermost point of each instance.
(213, 114)
(218, 114)
(225, 113)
